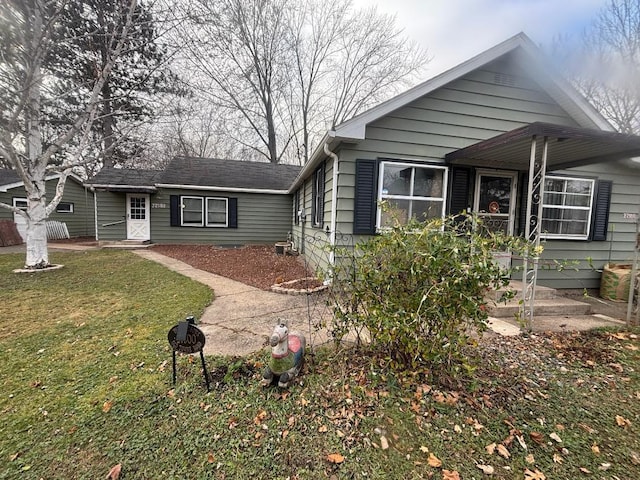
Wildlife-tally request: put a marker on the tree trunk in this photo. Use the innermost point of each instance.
(37, 251)
(37, 248)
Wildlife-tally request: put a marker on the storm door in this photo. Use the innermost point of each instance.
(495, 199)
(138, 225)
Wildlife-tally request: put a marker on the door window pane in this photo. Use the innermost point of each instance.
(495, 194)
(138, 209)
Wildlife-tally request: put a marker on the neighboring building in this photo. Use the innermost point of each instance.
(463, 141)
(195, 200)
(75, 209)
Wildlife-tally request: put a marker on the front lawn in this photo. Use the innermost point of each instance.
(85, 384)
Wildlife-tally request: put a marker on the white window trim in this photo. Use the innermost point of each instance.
(557, 236)
(445, 185)
(69, 210)
(226, 212)
(204, 206)
(202, 209)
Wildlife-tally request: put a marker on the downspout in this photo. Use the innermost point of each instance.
(95, 211)
(334, 206)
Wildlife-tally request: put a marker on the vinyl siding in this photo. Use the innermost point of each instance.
(262, 218)
(111, 216)
(309, 240)
(80, 223)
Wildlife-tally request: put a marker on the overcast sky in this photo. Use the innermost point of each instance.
(454, 30)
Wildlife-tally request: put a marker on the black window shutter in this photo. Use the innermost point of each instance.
(365, 203)
(459, 192)
(600, 220)
(233, 212)
(313, 197)
(524, 196)
(296, 207)
(321, 194)
(174, 210)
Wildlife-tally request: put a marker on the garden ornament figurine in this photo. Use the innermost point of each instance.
(287, 356)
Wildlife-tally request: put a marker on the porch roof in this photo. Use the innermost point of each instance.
(567, 147)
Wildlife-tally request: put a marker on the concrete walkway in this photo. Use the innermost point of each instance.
(241, 318)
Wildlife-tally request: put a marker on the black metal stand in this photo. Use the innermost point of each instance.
(185, 337)
(204, 370)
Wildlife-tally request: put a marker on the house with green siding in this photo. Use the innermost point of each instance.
(75, 210)
(501, 135)
(195, 200)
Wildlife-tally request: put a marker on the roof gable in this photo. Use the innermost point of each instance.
(530, 60)
(10, 179)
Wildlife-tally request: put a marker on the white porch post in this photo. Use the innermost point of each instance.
(535, 192)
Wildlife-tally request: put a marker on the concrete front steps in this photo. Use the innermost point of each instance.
(126, 244)
(548, 305)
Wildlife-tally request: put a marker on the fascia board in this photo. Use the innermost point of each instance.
(222, 189)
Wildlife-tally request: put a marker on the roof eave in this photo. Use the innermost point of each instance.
(133, 188)
(223, 189)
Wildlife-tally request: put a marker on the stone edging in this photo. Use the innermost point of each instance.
(285, 288)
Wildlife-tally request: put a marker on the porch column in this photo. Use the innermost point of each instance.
(535, 191)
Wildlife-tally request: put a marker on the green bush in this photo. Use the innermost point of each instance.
(420, 291)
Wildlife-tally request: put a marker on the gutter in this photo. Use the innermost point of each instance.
(223, 189)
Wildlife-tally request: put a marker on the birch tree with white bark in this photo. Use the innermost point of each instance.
(29, 32)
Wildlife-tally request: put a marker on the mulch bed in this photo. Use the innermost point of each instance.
(256, 265)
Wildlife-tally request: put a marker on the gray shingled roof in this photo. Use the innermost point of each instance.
(125, 177)
(213, 172)
(8, 176)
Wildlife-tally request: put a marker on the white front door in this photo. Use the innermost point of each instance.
(19, 220)
(138, 225)
(495, 199)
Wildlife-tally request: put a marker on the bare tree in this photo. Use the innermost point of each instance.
(606, 69)
(292, 69)
(30, 30)
(239, 48)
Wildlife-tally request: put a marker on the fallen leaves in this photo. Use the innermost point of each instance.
(335, 458)
(106, 406)
(554, 436)
(502, 451)
(450, 475)
(434, 461)
(114, 473)
(486, 469)
(622, 422)
(534, 475)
